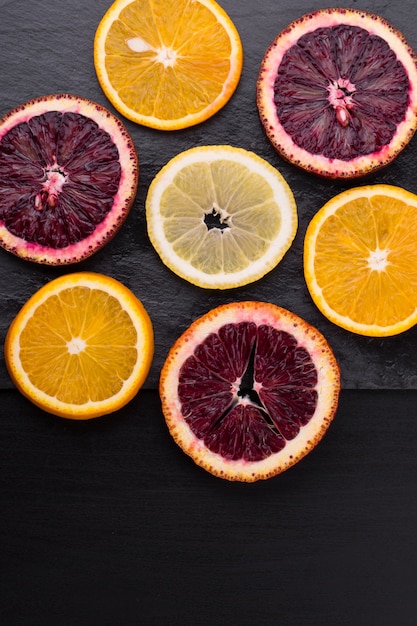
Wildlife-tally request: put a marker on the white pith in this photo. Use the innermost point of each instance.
(76, 345)
(165, 54)
(378, 259)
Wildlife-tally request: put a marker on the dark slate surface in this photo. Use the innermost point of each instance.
(107, 522)
(47, 47)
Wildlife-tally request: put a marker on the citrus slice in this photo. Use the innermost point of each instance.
(167, 64)
(360, 260)
(336, 94)
(81, 346)
(248, 390)
(220, 216)
(68, 178)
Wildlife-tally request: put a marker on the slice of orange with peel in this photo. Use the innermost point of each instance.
(167, 64)
(220, 216)
(360, 260)
(248, 390)
(81, 346)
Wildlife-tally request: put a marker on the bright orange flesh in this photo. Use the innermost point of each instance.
(81, 346)
(167, 73)
(360, 260)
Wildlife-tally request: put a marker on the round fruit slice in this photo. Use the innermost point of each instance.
(248, 390)
(220, 216)
(68, 178)
(167, 64)
(81, 346)
(336, 94)
(360, 260)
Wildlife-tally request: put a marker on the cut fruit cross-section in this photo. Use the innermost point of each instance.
(81, 346)
(68, 178)
(336, 92)
(220, 216)
(248, 390)
(167, 64)
(360, 260)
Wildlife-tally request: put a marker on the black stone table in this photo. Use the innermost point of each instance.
(107, 522)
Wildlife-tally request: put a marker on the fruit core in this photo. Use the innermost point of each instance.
(341, 91)
(54, 181)
(378, 259)
(165, 55)
(217, 218)
(76, 345)
(59, 175)
(340, 97)
(247, 390)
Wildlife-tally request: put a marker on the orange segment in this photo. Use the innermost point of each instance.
(166, 64)
(361, 260)
(81, 346)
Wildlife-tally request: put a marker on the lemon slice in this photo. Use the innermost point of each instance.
(220, 216)
(167, 64)
(360, 260)
(81, 346)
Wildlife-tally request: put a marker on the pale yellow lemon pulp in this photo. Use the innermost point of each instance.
(220, 216)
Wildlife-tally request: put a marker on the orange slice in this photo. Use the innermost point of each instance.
(167, 64)
(220, 217)
(81, 346)
(360, 260)
(248, 390)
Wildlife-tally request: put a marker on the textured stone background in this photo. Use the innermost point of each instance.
(47, 47)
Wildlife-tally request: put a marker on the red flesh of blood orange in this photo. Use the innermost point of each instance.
(68, 178)
(336, 93)
(248, 390)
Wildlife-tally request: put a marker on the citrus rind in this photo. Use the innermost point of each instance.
(261, 313)
(280, 198)
(131, 306)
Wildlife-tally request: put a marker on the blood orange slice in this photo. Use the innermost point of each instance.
(68, 178)
(336, 92)
(248, 390)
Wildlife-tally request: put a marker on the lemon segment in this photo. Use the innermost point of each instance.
(220, 216)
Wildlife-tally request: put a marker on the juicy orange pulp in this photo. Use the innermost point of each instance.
(81, 346)
(361, 260)
(167, 64)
